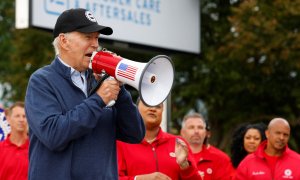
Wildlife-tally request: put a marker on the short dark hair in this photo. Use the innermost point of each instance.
(16, 104)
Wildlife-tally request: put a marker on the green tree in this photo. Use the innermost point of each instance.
(248, 70)
(6, 48)
(22, 52)
(197, 76)
(263, 50)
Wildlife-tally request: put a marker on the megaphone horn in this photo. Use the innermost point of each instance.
(153, 80)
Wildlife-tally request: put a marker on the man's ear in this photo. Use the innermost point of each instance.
(267, 133)
(63, 41)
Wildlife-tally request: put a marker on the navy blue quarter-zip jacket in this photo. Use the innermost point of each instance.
(73, 137)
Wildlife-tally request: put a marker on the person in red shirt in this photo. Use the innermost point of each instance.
(273, 159)
(245, 140)
(159, 156)
(14, 149)
(212, 163)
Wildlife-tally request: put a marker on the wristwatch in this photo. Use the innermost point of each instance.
(185, 164)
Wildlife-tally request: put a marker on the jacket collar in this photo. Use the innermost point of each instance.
(8, 142)
(160, 138)
(65, 72)
(263, 145)
(62, 69)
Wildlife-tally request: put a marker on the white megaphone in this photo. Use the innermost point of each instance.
(153, 80)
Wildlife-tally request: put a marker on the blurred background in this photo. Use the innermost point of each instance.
(246, 69)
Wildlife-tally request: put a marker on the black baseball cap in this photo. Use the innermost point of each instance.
(80, 20)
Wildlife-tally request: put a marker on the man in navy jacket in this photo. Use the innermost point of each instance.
(73, 133)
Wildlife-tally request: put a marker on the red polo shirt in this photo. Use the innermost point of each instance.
(213, 164)
(13, 160)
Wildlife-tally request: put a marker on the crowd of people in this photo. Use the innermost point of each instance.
(257, 151)
(67, 130)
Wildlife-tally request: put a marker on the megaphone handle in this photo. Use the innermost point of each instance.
(99, 82)
(111, 103)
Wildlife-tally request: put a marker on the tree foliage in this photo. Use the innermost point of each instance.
(249, 68)
(22, 52)
(6, 48)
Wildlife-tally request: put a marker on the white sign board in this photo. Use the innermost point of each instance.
(168, 24)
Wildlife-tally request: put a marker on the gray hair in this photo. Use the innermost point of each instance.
(192, 115)
(55, 44)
